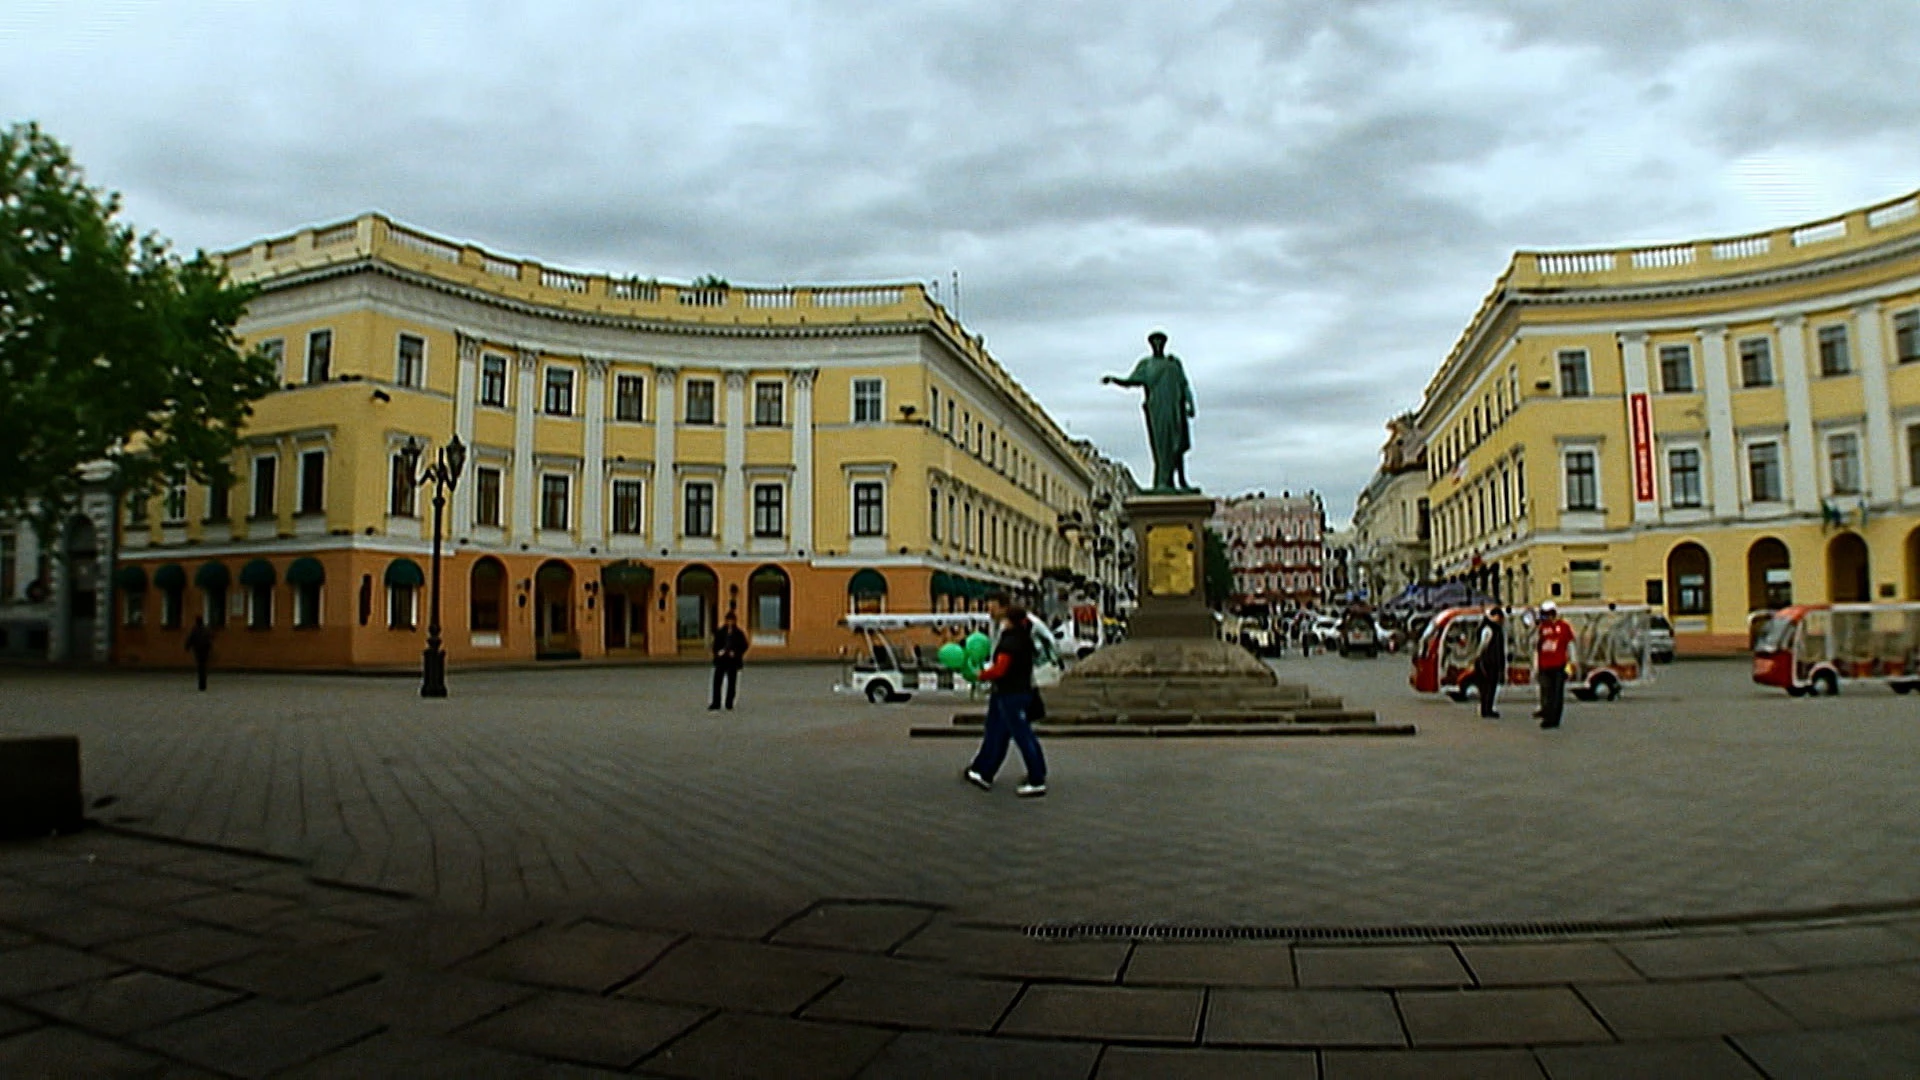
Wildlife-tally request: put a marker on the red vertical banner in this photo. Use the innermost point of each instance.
(1640, 419)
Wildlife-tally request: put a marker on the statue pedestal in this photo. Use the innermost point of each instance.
(1170, 533)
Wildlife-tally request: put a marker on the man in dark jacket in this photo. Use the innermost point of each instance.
(729, 655)
(200, 644)
(1490, 660)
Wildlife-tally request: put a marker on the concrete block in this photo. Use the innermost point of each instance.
(39, 786)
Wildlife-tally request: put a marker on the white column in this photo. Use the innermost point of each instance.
(1633, 358)
(1883, 481)
(663, 427)
(523, 404)
(733, 516)
(803, 460)
(1723, 453)
(466, 383)
(1800, 448)
(593, 473)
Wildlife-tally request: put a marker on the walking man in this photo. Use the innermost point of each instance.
(729, 655)
(1008, 708)
(1554, 656)
(1490, 661)
(200, 644)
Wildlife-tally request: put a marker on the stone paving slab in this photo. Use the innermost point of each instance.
(859, 927)
(1684, 1010)
(1833, 946)
(1705, 1059)
(1156, 1063)
(732, 975)
(1108, 1013)
(589, 1030)
(33, 968)
(135, 1001)
(1380, 965)
(1843, 998)
(1543, 963)
(918, 1055)
(59, 1053)
(1884, 1052)
(768, 1048)
(1243, 963)
(1302, 1018)
(1431, 1065)
(1697, 956)
(586, 956)
(1499, 1018)
(426, 1002)
(928, 1001)
(255, 1038)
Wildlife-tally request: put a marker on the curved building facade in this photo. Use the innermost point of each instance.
(1714, 428)
(642, 458)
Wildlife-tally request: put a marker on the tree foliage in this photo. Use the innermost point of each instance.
(1219, 571)
(112, 349)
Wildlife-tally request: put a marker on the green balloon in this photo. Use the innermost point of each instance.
(953, 657)
(979, 647)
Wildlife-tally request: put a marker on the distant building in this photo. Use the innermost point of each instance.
(1390, 517)
(1337, 580)
(1276, 547)
(1712, 427)
(643, 459)
(57, 604)
(1105, 537)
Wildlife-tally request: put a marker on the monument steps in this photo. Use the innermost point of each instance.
(1177, 731)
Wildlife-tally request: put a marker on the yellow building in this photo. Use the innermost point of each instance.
(641, 458)
(1713, 427)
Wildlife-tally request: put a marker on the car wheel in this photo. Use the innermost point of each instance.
(1827, 683)
(879, 692)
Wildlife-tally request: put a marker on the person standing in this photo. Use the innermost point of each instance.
(729, 656)
(200, 644)
(1552, 659)
(1008, 708)
(1490, 661)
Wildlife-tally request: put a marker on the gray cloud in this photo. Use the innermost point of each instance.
(1312, 195)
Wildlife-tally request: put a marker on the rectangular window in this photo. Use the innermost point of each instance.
(1913, 456)
(1833, 351)
(486, 497)
(700, 401)
(275, 349)
(769, 404)
(1584, 578)
(697, 509)
(133, 609)
(555, 502)
(1582, 484)
(769, 510)
(213, 605)
(306, 606)
(170, 609)
(1683, 477)
(1690, 595)
(949, 418)
(867, 402)
(933, 515)
(1763, 472)
(629, 398)
(1676, 369)
(401, 601)
(319, 356)
(1843, 463)
(410, 365)
(313, 481)
(559, 391)
(402, 497)
(1756, 362)
(219, 501)
(265, 470)
(1906, 337)
(174, 510)
(627, 507)
(260, 607)
(137, 510)
(869, 509)
(493, 380)
(1573, 373)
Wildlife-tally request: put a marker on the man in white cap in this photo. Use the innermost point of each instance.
(1553, 655)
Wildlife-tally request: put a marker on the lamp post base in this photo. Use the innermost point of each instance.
(433, 666)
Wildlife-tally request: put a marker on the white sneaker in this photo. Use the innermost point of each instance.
(978, 781)
(1030, 791)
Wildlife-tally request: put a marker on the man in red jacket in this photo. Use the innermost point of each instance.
(1009, 709)
(1553, 657)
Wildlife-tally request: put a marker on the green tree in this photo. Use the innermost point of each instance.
(1219, 582)
(112, 349)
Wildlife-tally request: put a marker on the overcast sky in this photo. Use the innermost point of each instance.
(1312, 196)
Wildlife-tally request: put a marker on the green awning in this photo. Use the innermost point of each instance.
(625, 574)
(213, 575)
(405, 572)
(170, 576)
(306, 571)
(554, 574)
(131, 579)
(257, 573)
(942, 583)
(868, 582)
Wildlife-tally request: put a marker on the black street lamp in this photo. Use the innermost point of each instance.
(443, 473)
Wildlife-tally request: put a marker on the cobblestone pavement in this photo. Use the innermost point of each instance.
(130, 957)
(1699, 795)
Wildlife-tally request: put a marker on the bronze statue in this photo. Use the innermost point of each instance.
(1168, 406)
